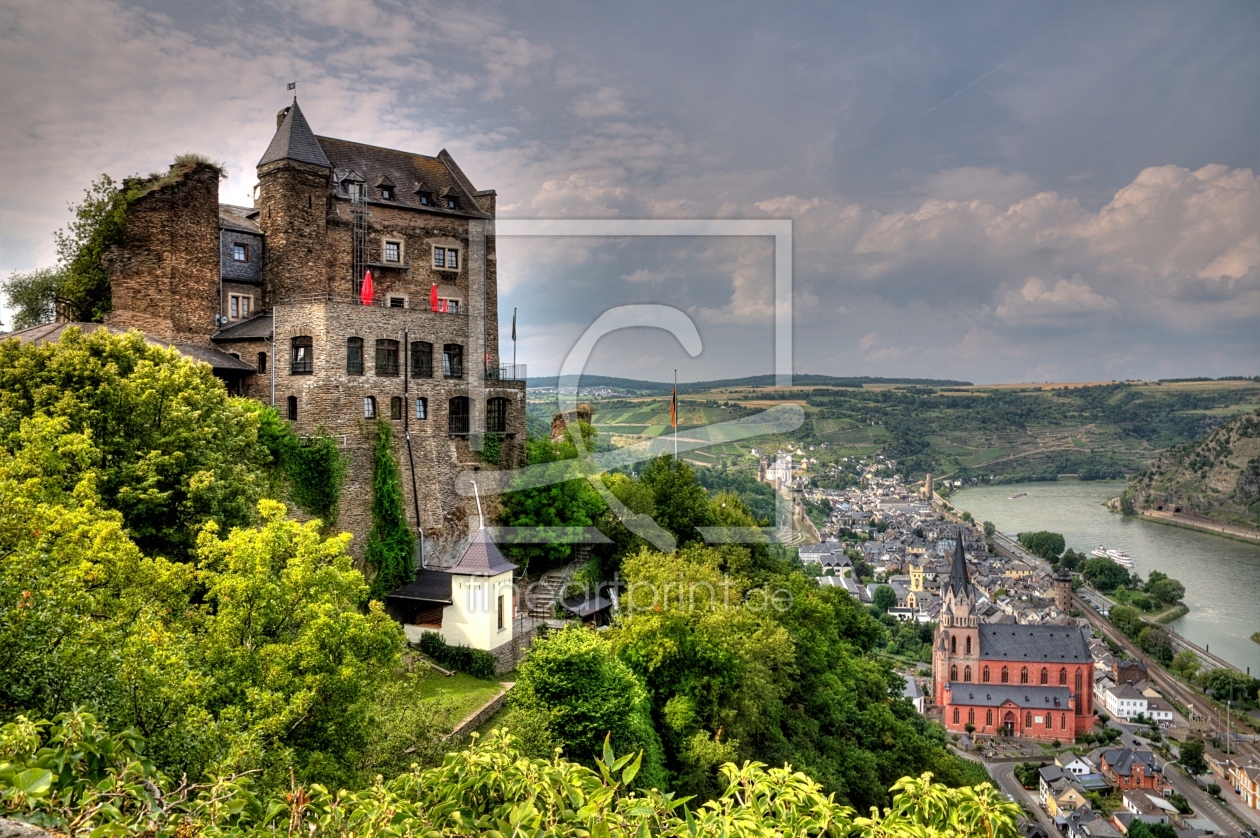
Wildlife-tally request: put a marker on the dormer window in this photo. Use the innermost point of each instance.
(452, 203)
(426, 199)
(387, 193)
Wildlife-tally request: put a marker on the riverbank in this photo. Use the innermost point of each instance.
(1172, 519)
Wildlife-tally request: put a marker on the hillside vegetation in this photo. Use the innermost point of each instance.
(1216, 477)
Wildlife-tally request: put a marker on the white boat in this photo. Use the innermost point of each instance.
(1118, 556)
(1019, 495)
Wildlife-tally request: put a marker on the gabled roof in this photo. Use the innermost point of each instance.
(1121, 761)
(430, 586)
(294, 140)
(1026, 696)
(257, 327)
(1034, 644)
(481, 558)
(239, 218)
(373, 163)
(52, 332)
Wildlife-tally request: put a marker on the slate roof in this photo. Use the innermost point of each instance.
(1042, 644)
(430, 586)
(1027, 696)
(239, 218)
(255, 328)
(52, 332)
(959, 581)
(481, 558)
(406, 170)
(1121, 761)
(294, 140)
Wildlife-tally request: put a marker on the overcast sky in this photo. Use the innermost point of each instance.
(993, 192)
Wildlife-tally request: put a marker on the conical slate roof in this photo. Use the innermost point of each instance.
(294, 140)
(481, 558)
(959, 580)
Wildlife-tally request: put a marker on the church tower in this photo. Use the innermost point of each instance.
(916, 578)
(956, 652)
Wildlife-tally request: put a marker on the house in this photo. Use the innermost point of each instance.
(1129, 669)
(914, 693)
(1059, 792)
(1245, 779)
(1159, 710)
(1127, 769)
(1141, 803)
(1073, 764)
(1123, 701)
(1084, 823)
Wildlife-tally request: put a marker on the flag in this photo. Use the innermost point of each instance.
(673, 408)
(433, 302)
(292, 86)
(513, 324)
(368, 291)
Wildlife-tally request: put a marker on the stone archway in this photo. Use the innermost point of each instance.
(1008, 723)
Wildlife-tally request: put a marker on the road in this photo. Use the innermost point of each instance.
(1004, 773)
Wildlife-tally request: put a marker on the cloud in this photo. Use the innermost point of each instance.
(1038, 304)
(599, 104)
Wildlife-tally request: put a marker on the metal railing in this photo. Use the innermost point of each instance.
(381, 303)
(507, 372)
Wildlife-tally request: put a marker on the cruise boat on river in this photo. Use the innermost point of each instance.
(1118, 556)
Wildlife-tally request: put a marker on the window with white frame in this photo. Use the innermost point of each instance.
(240, 252)
(239, 306)
(422, 408)
(446, 258)
(393, 251)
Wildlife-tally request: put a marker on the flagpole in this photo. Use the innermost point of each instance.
(514, 341)
(675, 418)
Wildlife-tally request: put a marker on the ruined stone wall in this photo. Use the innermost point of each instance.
(164, 275)
(332, 400)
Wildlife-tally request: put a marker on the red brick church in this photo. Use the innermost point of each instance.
(1034, 682)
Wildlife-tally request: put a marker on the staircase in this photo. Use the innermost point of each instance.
(541, 596)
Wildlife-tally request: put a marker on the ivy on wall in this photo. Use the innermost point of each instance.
(310, 471)
(390, 543)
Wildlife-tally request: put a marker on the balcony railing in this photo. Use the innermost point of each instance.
(506, 372)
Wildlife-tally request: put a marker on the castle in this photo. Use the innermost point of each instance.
(272, 296)
(1032, 681)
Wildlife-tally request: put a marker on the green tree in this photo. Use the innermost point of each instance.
(967, 517)
(1186, 662)
(575, 682)
(1047, 545)
(1141, 829)
(1104, 574)
(391, 546)
(884, 598)
(1157, 643)
(682, 505)
(989, 529)
(1191, 756)
(1166, 591)
(1228, 685)
(33, 296)
(568, 500)
(164, 443)
(1128, 619)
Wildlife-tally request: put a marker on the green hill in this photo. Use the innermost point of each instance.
(1217, 477)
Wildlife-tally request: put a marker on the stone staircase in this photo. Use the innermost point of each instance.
(541, 596)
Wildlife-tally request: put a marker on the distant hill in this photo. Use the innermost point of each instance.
(653, 387)
(1216, 477)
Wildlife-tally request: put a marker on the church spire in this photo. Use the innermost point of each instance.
(294, 140)
(959, 580)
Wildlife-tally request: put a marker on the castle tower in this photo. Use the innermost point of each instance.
(1063, 591)
(916, 578)
(957, 646)
(294, 177)
(927, 486)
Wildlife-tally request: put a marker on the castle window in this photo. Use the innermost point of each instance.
(240, 252)
(446, 257)
(1006, 675)
(369, 407)
(421, 359)
(239, 306)
(496, 416)
(354, 356)
(1063, 677)
(453, 360)
(457, 415)
(1063, 721)
(452, 203)
(1023, 675)
(984, 675)
(1045, 676)
(426, 198)
(953, 645)
(393, 251)
(967, 673)
(395, 407)
(502, 614)
(262, 362)
(387, 357)
(302, 352)
(969, 645)
(422, 408)
(292, 405)
(1080, 699)
(439, 257)
(953, 672)
(397, 302)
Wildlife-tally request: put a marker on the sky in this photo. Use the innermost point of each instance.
(992, 192)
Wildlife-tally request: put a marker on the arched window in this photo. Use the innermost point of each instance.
(953, 672)
(955, 715)
(422, 408)
(984, 675)
(967, 673)
(1006, 675)
(369, 407)
(457, 415)
(496, 416)
(301, 362)
(1063, 676)
(969, 645)
(1045, 676)
(1027, 719)
(1063, 721)
(953, 645)
(1023, 675)
(988, 716)
(395, 407)
(292, 408)
(354, 356)
(421, 359)
(387, 358)
(1080, 699)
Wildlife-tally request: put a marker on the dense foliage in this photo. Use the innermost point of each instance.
(312, 470)
(1047, 545)
(391, 546)
(474, 662)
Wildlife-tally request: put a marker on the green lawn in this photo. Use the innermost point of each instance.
(466, 692)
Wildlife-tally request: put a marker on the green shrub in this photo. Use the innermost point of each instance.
(474, 662)
(390, 544)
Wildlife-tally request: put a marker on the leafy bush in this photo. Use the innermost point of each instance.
(1047, 545)
(475, 662)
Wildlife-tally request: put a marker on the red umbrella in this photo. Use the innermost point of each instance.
(368, 291)
(433, 301)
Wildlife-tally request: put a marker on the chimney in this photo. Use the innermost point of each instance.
(280, 115)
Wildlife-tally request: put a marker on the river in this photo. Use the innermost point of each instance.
(1222, 576)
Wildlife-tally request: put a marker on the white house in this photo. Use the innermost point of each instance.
(1123, 701)
(471, 603)
(1072, 764)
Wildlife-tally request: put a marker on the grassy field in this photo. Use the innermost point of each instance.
(464, 691)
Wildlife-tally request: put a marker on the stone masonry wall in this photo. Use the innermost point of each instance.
(164, 276)
(293, 207)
